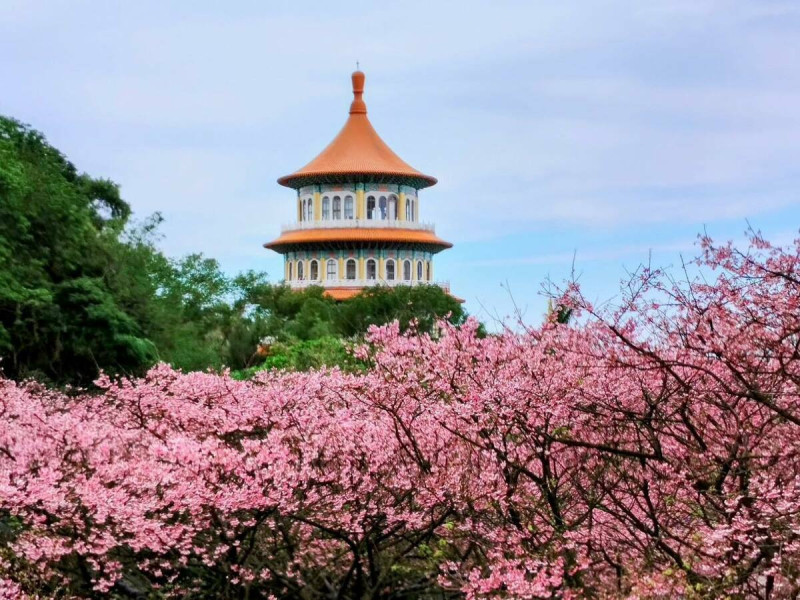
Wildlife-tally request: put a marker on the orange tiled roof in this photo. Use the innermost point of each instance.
(377, 234)
(345, 293)
(338, 293)
(358, 151)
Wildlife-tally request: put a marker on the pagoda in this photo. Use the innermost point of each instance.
(358, 213)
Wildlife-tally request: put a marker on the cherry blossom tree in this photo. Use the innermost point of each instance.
(649, 449)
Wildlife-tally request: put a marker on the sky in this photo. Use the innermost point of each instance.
(572, 136)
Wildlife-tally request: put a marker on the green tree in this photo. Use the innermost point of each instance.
(59, 229)
(310, 329)
(423, 304)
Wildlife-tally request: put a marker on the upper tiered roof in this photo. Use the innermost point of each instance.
(357, 154)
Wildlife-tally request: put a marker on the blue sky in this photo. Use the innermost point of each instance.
(593, 132)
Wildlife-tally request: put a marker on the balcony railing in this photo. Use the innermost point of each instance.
(358, 224)
(360, 283)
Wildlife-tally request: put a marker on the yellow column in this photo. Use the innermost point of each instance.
(341, 268)
(317, 207)
(299, 209)
(416, 210)
(401, 207)
(413, 269)
(361, 268)
(381, 273)
(360, 208)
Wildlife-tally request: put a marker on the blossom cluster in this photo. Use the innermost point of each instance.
(651, 450)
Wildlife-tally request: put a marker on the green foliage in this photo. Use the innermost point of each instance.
(306, 354)
(423, 304)
(59, 229)
(563, 314)
(310, 327)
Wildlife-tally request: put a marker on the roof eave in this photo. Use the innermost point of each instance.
(282, 245)
(417, 181)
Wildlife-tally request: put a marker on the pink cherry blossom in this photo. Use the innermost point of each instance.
(645, 450)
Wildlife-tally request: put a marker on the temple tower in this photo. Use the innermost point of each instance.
(358, 215)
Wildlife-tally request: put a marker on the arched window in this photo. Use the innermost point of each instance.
(350, 269)
(407, 270)
(390, 270)
(313, 271)
(348, 207)
(331, 270)
(337, 207)
(300, 270)
(419, 270)
(383, 207)
(372, 271)
(409, 209)
(310, 209)
(326, 208)
(289, 275)
(371, 207)
(392, 207)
